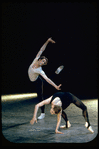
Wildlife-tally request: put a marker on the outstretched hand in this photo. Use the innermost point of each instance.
(50, 40)
(58, 132)
(58, 87)
(33, 121)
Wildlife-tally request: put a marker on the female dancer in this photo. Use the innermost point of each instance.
(35, 69)
(59, 102)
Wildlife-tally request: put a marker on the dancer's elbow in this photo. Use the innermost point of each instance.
(36, 106)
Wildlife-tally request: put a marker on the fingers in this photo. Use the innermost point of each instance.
(59, 87)
(51, 40)
(61, 132)
(31, 122)
(58, 132)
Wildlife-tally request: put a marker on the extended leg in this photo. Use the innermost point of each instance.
(79, 104)
(40, 92)
(85, 115)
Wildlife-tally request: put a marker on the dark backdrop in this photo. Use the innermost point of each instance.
(26, 26)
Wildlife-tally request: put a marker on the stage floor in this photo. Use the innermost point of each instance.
(16, 127)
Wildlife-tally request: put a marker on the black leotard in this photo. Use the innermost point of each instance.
(65, 97)
(68, 98)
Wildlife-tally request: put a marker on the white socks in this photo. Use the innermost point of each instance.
(41, 116)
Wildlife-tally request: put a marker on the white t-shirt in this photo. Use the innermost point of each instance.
(33, 73)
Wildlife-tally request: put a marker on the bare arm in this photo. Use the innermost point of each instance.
(58, 123)
(42, 50)
(43, 47)
(53, 84)
(50, 81)
(47, 101)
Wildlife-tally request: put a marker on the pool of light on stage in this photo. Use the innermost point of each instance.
(18, 96)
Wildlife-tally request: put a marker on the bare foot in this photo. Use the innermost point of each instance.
(68, 125)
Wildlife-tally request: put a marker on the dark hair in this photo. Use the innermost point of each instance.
(57, 109)
(43, 57)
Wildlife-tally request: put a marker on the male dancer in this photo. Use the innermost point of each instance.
(35, 69)
(59, 102)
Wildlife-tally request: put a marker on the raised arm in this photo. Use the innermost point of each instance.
(47, 101)
(43, 47)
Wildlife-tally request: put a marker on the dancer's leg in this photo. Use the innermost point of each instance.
(79, 104)
(40, 83)
(39, 89)
(64, 115)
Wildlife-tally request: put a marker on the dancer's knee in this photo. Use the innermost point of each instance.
(85, 108)
(84, 111)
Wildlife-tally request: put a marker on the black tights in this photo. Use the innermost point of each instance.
(39, 89)
(79, 104)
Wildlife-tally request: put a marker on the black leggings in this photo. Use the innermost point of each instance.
(79, 104)
(39, 89)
